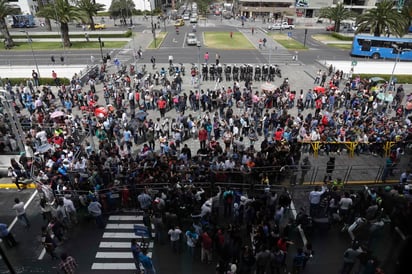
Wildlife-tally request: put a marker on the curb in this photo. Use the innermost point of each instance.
(13, 186)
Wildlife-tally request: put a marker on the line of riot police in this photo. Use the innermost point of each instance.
(244, 72)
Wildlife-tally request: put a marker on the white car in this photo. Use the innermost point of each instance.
(191, 39)
(193, 19)
(186, 16)
(279, 26)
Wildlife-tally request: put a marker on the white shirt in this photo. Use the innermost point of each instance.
(345, 203)
(19, 209)
(314, 196)
(174, 234)
(68, 204)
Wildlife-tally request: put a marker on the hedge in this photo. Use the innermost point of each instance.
(402, 79)
(127, 33)
(341, 37)
(42, 80)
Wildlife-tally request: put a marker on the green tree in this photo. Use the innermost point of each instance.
(90, 8)
(337, 14)
(122, 9)
(63, 12)
(385, 18)
(6, 9)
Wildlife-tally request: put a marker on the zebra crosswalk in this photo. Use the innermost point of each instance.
(114, 251)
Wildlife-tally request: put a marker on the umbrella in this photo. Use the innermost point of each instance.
(268, 87)
(377, 79)
(319, 89)
(44, 148)
(141, 115)
(101, 112)
(57, 114)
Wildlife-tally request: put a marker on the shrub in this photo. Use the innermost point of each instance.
(341, 37)
(401, 79)
(128, 33)
(43, 81)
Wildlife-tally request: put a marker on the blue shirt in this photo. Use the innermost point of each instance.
(3, 230)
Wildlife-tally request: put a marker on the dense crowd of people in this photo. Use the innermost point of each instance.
(74, 147)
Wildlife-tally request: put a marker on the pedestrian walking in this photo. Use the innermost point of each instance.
(147, 263)
(48, 243)
(7, 236)
(305, 166)
(231, 34)
(260, 43)
(21, 213)
(264, 42)
(153, 61)
(136, 250)
(253, 31)
(206, 57)
(330, 166)
(68, 264)
(86, 35)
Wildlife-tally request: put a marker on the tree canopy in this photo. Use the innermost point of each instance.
(6, 9)
(90, 8)
(337, 14)
(121, 9)
(384, 19)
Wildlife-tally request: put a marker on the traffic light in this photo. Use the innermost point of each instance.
(62, 59)
(52, 59)
(99, 39)
(102, 43)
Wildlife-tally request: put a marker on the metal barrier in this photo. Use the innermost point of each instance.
(350, 146)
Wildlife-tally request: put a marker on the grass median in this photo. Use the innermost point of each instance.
(156, 43)
(58, 45)
(288, 42)
(222, 40)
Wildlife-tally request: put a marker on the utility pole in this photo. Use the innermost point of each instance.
(101, 44)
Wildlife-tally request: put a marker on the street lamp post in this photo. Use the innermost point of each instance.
(29, 40)
(101, 45)
(399, 51)
(199, 77)
(153, 28)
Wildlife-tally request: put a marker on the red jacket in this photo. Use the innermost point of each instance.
(202, 135)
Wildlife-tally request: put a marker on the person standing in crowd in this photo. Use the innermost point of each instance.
(7, 236)
(21, 213)
(68, 264)
(349, 258)
(314, 199)
(298, 261)
(191, 240)
(145, 201)
(95, 209)
(206, 251)
(174, 234)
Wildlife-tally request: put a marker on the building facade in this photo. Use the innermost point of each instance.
(300, 8)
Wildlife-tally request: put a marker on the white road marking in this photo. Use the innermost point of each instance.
(119, 244)
(125, 218)
(114, 266)
(120, 235)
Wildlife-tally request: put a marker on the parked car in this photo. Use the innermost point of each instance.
(98, 26)
(179, 23)
(186, 16)
(280, 26)
(191, 39)
(330, 28)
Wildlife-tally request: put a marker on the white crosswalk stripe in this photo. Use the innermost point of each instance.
(114, 251)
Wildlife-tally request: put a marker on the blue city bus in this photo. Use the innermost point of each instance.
(382, 47)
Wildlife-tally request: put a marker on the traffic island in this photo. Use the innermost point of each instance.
(227, 40)
(286, 41)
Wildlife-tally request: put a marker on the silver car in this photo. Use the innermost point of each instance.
(191, 39)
